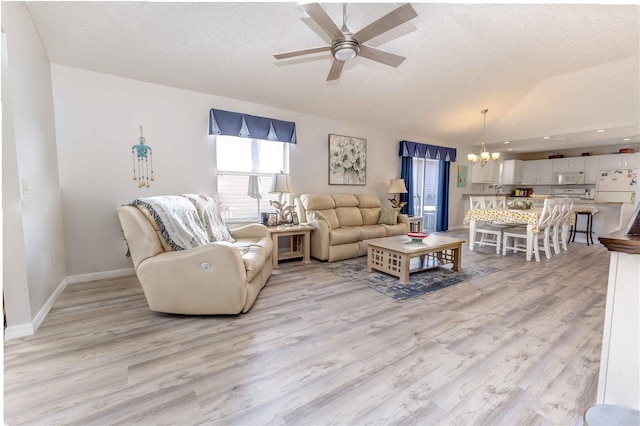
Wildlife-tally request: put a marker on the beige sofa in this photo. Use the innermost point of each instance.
(215, 278)
(343, 221)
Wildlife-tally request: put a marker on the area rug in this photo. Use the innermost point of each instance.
(420, 283)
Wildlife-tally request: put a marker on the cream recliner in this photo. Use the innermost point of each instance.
(215, 278)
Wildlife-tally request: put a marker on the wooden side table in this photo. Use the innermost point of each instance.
(299, 242)
(415, 223)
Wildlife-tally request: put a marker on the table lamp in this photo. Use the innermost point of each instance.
(396, 186)
(281, 184)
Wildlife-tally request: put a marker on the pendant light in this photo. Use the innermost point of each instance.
(484, 156)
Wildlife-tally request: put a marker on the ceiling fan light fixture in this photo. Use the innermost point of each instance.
(344, 50)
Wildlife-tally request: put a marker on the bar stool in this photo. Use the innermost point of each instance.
(589, 212)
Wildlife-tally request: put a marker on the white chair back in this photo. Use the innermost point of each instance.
(490, 202)
(549, 213)
(501, 201)
(626, 210)
(476, 203)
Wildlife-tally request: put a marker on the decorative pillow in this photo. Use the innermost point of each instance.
(209, 214)
(388, 217)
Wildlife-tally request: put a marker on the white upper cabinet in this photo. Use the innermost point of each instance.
(545, 172)
(615, 161)
(537, 172)
(591, 168)
(489, 173)
(511, 172)
(571, 164)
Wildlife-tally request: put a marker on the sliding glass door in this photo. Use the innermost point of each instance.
(425, 191)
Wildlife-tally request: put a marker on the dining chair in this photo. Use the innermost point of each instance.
(490, 234)
(561, 227)
(520, 237)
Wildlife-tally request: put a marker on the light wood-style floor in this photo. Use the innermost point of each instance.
(520, 346)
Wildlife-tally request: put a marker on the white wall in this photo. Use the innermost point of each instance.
(97, 119)
(33, 222)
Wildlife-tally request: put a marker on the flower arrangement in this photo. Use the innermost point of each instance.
(520, 204)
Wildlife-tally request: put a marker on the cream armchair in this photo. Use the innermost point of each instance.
(216, 278)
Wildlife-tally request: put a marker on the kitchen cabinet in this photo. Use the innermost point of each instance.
(591, 169)
(537, 172)
(615, 161)
(489, 173)
(571, 164)
(511, 172)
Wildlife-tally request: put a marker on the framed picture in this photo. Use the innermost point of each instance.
(347, 160)
(462, 176)
(272, 219)
(294, 218)
(264, 218)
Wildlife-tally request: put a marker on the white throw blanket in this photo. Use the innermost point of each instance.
(209, 214)
(186, 221)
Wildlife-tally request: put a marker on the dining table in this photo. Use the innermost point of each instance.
(529, 217)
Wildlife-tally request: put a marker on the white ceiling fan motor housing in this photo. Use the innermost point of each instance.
(343, 50)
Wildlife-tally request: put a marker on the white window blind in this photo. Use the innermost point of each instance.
(425, 190)
(245, 166)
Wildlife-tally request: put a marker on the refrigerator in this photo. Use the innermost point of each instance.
(617, 186)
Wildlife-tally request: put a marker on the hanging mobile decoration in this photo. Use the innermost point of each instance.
(143, 176)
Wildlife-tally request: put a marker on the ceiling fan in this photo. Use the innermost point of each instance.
(345, 45)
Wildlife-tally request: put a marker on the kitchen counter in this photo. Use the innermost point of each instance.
(536, 200)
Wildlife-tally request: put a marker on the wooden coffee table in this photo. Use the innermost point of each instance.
(394, 255)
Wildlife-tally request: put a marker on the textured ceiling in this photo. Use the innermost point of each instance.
(541, 70)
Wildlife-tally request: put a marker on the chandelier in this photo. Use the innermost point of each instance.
(484, 156)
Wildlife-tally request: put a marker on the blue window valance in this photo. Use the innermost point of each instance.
(432, 152)
(250, 126)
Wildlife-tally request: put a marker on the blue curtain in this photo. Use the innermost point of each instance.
(442, 210)
(250, 126)
(430, 152)
(406, 173)
(408, 150)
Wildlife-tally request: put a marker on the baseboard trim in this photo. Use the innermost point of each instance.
(27, 329)
(17, 331)
(42, 313)
(116, 273)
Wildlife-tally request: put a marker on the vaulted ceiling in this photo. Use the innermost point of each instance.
(555, 70)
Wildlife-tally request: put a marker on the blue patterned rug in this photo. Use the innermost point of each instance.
(420, 283)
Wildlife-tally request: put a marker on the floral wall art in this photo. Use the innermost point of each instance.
(347, 160)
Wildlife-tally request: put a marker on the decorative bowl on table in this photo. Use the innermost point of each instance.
(417, 237)
(520, 204)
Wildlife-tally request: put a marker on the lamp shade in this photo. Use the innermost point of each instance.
(281, 183)
(396, 186)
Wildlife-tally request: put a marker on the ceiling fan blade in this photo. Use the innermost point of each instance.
(301, 52)
(381, 56)
(318, 14)
(336, 70)
(387, 22)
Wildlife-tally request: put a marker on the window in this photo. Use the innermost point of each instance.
(245, 167)
(425, 190)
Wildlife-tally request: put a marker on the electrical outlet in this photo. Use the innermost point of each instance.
(25, 187)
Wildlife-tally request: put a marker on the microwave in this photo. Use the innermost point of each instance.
(568, 178)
